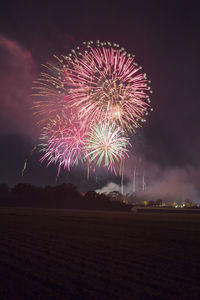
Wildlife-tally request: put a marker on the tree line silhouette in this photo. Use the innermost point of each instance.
(60, 196)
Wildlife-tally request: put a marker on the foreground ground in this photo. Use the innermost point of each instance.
(61, 254)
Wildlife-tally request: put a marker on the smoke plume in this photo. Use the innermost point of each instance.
(170, 184)
(17, 71)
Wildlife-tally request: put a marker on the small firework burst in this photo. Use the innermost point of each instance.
(62, 142)
(105, 145)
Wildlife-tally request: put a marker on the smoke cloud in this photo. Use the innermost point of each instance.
(169, 184)
(174, 183)
(17, 71)
(109, 187)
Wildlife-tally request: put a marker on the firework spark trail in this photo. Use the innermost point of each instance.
(97, 83)
(24, 167)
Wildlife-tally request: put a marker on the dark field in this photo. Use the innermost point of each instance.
(63, 254)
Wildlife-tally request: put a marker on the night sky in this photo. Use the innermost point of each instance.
(164, 36)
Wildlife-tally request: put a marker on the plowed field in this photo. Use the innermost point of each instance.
(63, 254)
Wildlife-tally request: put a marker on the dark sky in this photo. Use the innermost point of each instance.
(164, 36)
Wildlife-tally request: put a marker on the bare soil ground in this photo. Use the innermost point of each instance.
(66, 254)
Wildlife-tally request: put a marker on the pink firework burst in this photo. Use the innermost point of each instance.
(62, 142)
(105, 84)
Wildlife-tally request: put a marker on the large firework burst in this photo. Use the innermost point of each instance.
(101, 81)
(105, 83)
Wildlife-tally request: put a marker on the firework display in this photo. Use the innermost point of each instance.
(88, 103)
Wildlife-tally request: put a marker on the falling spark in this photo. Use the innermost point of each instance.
(24, 168)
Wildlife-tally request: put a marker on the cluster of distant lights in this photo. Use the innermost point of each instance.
(88, 103)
